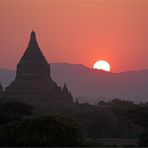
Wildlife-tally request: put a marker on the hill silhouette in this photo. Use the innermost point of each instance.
(89, 84)
(6, 76)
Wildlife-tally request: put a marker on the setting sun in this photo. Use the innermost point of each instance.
(102, 65)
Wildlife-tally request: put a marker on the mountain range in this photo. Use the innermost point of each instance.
(91, 85)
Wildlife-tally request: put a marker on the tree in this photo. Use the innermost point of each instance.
(11, 111)
(49, 130)
(143, 140)
(139, 117)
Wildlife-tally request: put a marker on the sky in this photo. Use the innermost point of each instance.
(77, 31)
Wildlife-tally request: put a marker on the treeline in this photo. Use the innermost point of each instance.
(71, 124)
(19, 127)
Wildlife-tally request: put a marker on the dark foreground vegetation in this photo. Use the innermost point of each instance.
(73, 124)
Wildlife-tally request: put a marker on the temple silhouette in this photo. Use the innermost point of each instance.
(33, 81)
(1, 90)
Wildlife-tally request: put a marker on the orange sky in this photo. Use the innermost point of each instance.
(77, 32)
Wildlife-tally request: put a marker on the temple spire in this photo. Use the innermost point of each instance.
(66, 92)
(33, 35)
(33, 63)
(1, 87)
(33, 43)
(65, 89)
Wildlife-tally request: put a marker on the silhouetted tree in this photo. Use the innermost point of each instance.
(11, 111)
(118, 101)
(102, 103)
(143, 140)
(138, 116)
(49, 130)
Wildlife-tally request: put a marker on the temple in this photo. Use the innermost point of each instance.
(33, 80)
(1, 89)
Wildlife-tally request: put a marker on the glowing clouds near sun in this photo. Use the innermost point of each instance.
(102, 65)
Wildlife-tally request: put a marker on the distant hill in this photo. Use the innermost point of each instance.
(6, 76)
(90, 85)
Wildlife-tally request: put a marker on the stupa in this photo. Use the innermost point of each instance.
(33, 80)
(1, 90)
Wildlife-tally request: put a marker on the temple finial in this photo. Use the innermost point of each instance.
(33, 36)
(33, 42)
(1, 87)
(65, 87)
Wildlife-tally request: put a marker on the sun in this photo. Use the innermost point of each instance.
(102, 65)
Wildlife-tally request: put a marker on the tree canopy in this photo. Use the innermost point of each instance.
(47, 130)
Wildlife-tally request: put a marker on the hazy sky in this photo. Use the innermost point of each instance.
(77, 31)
